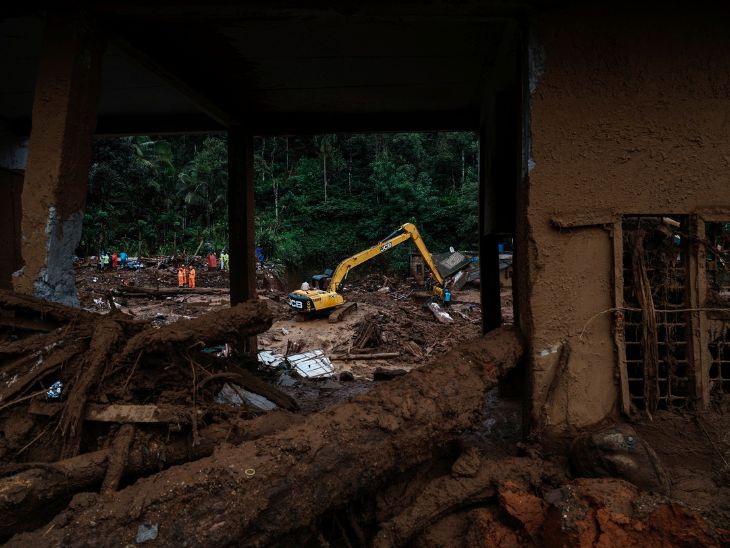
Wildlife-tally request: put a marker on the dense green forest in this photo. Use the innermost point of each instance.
(318, 199)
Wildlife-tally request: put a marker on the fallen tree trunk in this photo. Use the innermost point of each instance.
(27, 497)
(378, 356)
(231, 325)
(163, 292)
(107, 336)
(472, 480)
(260, 491)
(33, 307)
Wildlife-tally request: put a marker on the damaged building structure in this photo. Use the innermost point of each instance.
(605, 154)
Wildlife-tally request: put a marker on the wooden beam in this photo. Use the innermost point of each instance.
(714, 214)
(313, 123)
(617, 239)
(491, 295)
(584, 219)
(170, 124)
(207, 104)
(140, 124)
(699, 329)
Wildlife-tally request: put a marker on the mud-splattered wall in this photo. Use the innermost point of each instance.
(631, 116)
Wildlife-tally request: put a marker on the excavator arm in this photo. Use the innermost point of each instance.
(406, 232)
(315, 300)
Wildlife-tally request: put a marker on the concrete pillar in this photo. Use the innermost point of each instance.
(488, 241)
(241, 219)
(59, 154)
(500, 166)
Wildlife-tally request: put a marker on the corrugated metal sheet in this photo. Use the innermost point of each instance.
(448, 263)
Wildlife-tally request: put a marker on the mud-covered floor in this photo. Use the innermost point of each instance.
(397, 309)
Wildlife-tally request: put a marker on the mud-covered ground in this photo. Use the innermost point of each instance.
(397, 309)
(435, 458)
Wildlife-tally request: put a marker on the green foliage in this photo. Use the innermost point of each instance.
(374, 183)
(318, 199)
(156, 196)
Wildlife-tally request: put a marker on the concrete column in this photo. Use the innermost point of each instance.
(59, 154)
(488, 241)
(241, 219)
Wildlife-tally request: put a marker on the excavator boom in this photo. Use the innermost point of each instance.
(315, 299)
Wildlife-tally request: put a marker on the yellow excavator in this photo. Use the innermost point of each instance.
(316, 300)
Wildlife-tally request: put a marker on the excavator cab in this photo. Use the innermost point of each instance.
(321, 281)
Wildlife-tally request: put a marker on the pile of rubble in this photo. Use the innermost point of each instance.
(119, 426)
(114, 430)
(98, 400)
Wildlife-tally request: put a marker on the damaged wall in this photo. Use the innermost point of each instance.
(59, 156)
(630, 116)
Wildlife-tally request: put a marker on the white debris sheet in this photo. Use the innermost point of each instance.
(236, 396)
(312, 365)
(271, 359)
(308, 365)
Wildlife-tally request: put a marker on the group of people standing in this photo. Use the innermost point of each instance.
(109, 261)
(186, 276)
(218, 263)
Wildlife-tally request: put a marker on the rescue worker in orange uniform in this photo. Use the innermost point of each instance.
(181, 277)
(191, 276)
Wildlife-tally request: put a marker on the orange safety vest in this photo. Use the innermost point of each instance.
(181, 277)
(191, 277)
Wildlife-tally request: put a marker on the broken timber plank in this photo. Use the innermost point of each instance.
(232, 325)
(341, 312)
(27, 497)
(379, 356)
(618, 318)
(163, 292)
(584, 219)
(121, 413)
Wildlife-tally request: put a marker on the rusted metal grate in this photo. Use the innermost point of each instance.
(720, 364)
(717, 275)
(664, 249)
(717, 264)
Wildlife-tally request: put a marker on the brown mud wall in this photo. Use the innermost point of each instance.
(11, 187)
(59, 156)
(629, 115)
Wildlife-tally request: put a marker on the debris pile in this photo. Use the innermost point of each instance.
(114, 430)
(88, 399)
(118, 428)
(279, 486)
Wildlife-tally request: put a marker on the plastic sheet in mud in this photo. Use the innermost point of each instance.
(308, 365)
(236, 396)
(312, 365)
(271, 359)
